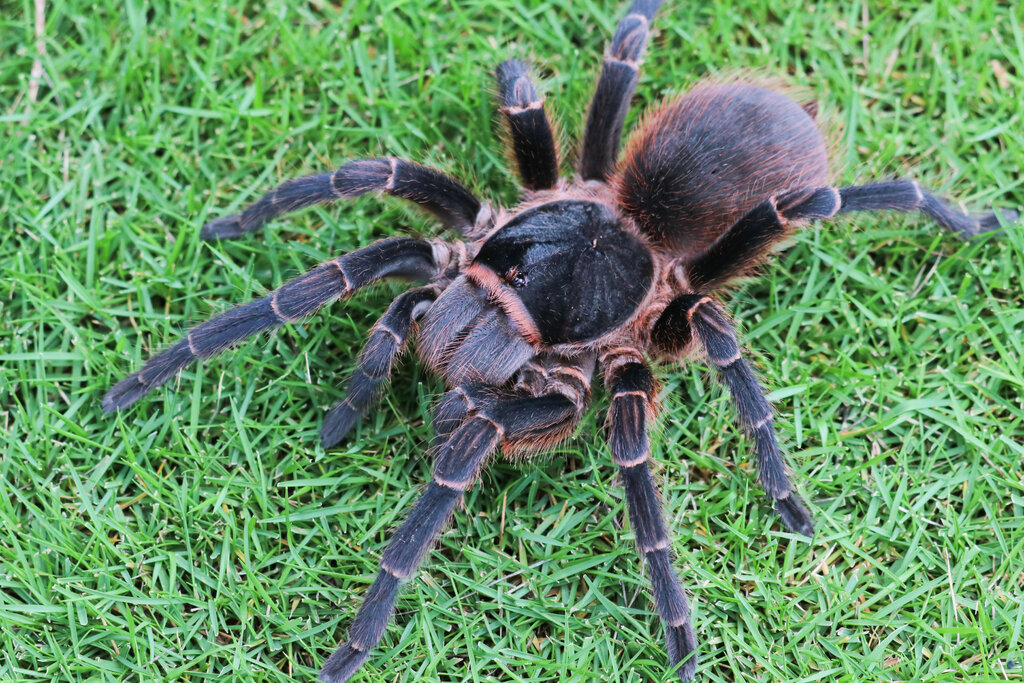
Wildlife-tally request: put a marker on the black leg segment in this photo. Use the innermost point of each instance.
(633, 391)
(401, 558)
(450, 412)
(907, 195)
(615, 88)
(716, 334)
(533, 143)
(750, 239)
(387, 340)
(441, 195)
(456, 467)
(402, 257)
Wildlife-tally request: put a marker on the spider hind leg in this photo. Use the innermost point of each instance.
(619, 74)
(908, 195)
(750, 239)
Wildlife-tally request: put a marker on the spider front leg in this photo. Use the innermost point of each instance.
(441, 195)
(386, 342)
(695, 313)
(633, 398)
(401, 257)
(533, 143)
(499, 417)
(619, 74)
(749, 240)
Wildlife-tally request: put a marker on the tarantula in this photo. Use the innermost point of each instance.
(606, 271)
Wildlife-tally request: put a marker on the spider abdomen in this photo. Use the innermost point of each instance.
(701, 162)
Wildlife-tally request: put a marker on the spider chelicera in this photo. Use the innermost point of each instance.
(604, 272)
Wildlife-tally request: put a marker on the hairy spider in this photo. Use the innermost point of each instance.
(610, 270)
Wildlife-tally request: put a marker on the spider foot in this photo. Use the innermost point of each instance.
(795, 515)
(124, 393)
(157, 370)
(682, 645)
(990, 222)
(341, 665)
(337, 423)
(225, 228)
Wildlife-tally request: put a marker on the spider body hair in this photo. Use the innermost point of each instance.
(699, 163)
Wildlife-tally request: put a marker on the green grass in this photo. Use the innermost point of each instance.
(204, 535)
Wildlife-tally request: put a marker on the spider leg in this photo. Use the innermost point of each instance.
(619, 73)
(450, 412)
(907, 195)
(750, 239)
(697, 314)
(506, 417)
(633, 396)
(532, 140)
(441, 195)
(386, 342)
(402, 557)
(402, 257)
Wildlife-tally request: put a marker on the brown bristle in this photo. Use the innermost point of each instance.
(700, 162)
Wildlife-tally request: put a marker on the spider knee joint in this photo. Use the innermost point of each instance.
(696, 305)
(401, 576)
(389, 186)
(634, 462)
(726, 363)
(660, 544)
(918, 192)
(460, 486)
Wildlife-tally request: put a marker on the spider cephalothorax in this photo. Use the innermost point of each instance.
(610, 269)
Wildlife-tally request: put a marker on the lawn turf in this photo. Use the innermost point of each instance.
(204, 535)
